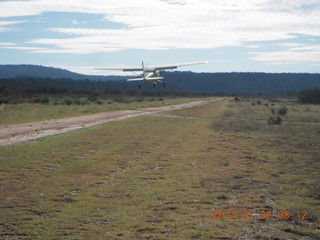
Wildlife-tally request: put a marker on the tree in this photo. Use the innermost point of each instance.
(309, 96)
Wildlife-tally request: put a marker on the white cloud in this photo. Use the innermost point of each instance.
(159, 24)
(294, 55)
(7, 44)
(24, 48)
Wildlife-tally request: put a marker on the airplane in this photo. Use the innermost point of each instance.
(150, 73)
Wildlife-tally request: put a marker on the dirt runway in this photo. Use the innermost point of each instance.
(19, 133)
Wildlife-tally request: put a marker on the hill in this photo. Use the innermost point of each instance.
(225, 83)
(35, 71)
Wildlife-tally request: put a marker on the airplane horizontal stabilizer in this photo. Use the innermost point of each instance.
(153, 78)
(135, 79)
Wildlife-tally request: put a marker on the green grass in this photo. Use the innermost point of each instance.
(29, 112)
(160, 178)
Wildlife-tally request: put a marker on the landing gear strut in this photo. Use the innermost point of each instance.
(164, 84)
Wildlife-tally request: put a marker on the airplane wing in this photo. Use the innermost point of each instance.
(175, 66)
(125, 69)
(156, 67)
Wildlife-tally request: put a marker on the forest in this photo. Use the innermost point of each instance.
(311, 96)
(47, 80)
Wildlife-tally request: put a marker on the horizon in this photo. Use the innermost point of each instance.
(234, 36)
(175, 71)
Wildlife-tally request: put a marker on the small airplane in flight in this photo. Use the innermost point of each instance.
(150, 73)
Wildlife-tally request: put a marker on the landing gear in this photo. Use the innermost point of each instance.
(164, 84)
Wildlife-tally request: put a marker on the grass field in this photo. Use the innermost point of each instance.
(29, 112)
(158, 177)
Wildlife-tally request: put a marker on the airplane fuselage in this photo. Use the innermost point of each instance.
(150, 74)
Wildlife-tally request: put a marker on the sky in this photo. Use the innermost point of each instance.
(233, 35)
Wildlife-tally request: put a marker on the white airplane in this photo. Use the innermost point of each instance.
(150, 73)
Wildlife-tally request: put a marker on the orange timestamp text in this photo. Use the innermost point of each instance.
(262, 215)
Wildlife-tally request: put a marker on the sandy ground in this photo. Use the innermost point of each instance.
(19, 133)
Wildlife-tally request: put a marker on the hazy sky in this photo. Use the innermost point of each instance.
(233, 35)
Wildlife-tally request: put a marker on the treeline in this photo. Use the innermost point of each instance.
(236, 83)
(310, 96)
(65, 91)
(177, 82)
(64, 85)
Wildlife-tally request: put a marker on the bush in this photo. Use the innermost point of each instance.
(67, 101)
(4, 101)
(79, 101)
(45, 100)
(275, 120)
(222, 197)
(283, 110)
(92, 99)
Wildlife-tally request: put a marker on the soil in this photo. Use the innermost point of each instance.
(18, 133)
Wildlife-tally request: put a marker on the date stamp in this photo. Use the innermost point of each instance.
(262, 215)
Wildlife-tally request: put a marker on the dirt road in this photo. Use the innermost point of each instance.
(19, 133)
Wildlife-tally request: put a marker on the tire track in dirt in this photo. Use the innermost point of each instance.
(18, 133)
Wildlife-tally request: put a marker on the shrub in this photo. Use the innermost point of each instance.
(118, 99)
(222, 197)
(45, 100)
(79, 101)
(273, 111)
(67, 101)
(283, 110)
(275, 120)
(92, 99)
(3, 101)
(139, 99)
